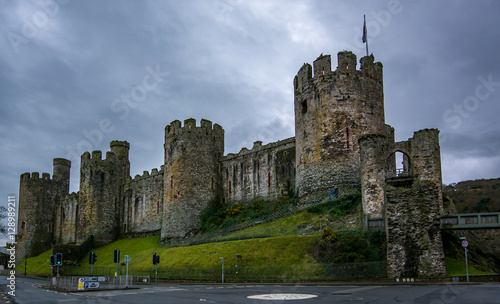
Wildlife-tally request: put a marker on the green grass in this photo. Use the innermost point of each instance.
(455, 267)
(277, 251)
(302, 218)
(36, 265)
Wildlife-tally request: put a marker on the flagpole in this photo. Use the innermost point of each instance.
(366, 34)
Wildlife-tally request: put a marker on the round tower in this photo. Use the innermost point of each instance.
(192, 174)
(333, 109)
(121, 149)
(101, 191)
(61, 172)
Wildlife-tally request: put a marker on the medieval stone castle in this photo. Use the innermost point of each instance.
(340, 139)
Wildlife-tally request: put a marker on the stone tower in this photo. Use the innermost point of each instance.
(101, 187)
(333, 109)
(192, 174)
(38, 198)
(409, 199)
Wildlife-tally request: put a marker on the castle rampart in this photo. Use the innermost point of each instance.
(65, 219)
(143, 203)
(264, 172)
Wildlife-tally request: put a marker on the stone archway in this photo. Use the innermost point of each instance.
(398, 164)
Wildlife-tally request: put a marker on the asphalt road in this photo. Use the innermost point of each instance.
(29, 290)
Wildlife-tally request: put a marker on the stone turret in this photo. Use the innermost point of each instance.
(192, 174)
(38, 198)
(333, 110)
(101, 190)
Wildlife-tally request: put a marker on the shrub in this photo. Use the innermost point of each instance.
(349, 247)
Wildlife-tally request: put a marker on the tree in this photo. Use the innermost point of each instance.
(3, 215)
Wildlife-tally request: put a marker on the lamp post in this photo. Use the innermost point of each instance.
(222, 260)
(465, 244)
(320, 226)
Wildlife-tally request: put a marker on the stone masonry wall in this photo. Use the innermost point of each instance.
(414, 245)
(143, 203)
(65, 219)
(373, 149)
(264, 172)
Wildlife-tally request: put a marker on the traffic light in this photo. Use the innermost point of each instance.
(52, 260)
(116, 256)
(59, 259)
(155, 259)
(92, 258)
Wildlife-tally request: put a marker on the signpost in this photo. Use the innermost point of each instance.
(222, 259)
(465, 244)
(126, 260)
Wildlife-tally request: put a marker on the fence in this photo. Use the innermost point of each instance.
(228, 233)
(71, 282)
(285, 273)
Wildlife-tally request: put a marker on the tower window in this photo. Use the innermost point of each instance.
(157, 207)
(303, 107)
(347, 138)
(269, 179)
(171, 181)
(23, 225)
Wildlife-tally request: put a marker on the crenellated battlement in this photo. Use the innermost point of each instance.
(433, 131)
(347, 62)
(175, 128)
(145, 175)
(258, 147)
(35, 176)
(96, 156)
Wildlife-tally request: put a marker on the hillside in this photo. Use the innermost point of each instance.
(481, 195)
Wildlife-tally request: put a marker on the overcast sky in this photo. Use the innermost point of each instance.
(75, 75)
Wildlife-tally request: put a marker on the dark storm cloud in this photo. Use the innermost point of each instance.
(233, 62)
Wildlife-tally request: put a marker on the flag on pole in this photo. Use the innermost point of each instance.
(365, 36)
(364, 29)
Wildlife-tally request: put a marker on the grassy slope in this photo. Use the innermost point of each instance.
(270, 252)
(455, 267)
(267, 251)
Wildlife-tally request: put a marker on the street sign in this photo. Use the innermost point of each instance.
(126, 259)
(465, 243)
(88, 285)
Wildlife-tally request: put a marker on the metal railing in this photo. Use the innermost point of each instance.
(286, 211)
(242, 273)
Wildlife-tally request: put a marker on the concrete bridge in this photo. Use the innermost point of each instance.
(470, 221)
(452, 221)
